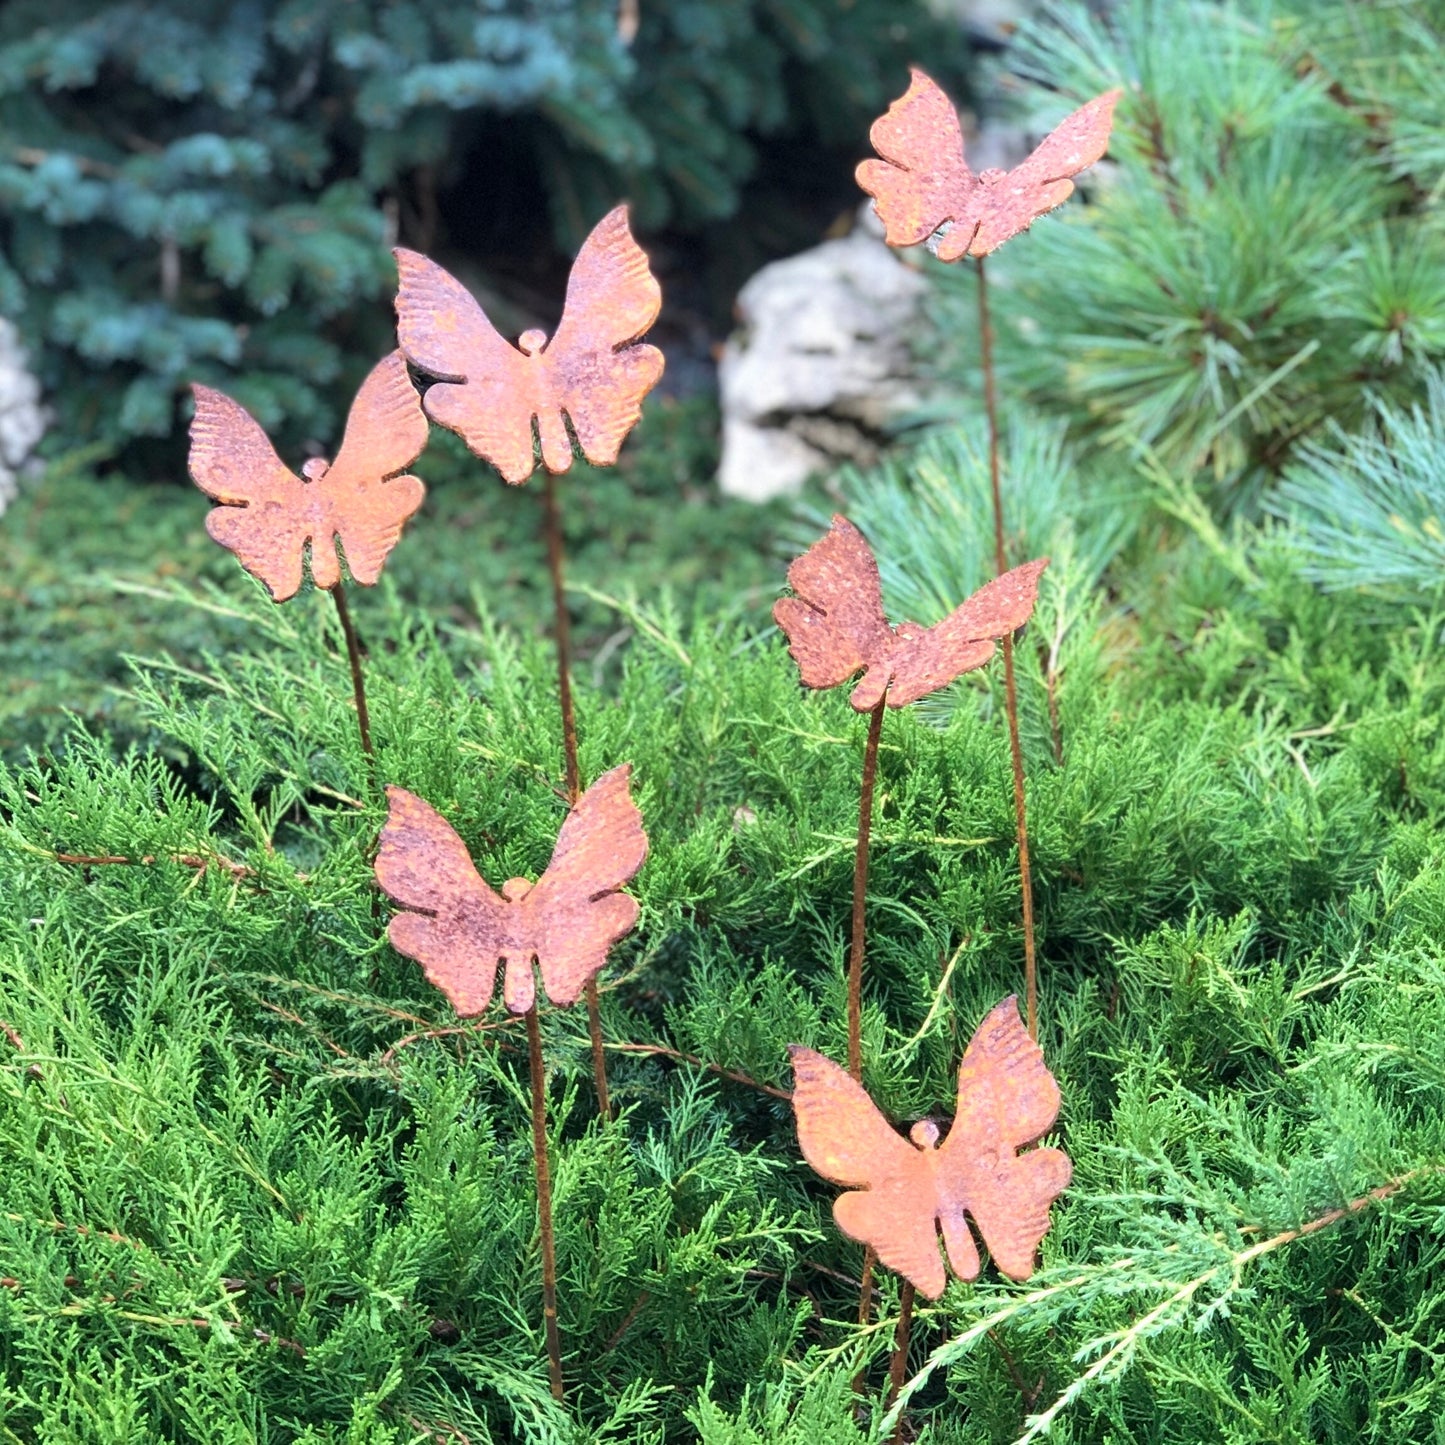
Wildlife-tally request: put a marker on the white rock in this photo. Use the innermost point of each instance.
(22, 418)
(820, 365)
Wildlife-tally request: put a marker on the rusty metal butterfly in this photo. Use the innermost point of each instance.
(835, 624)
(904, 1191)
(923, 181)
(459, 930)
(593, 373)
(268, 515)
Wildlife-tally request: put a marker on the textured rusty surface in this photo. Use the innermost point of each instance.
(836, 627)
(905, 1191)
(268, 514)
(593, 369)
(923, 181)
(459, 930)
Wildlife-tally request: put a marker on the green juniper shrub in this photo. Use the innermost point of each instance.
(321, 1185)
(85, 564)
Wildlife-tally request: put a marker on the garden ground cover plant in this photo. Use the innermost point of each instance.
(265, 1189)
(320, 1184)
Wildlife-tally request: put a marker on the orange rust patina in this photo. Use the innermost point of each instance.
(836, 627)
(268, 515)
(903, 1192)
(459, 930)
(594, 371)
(923, 182)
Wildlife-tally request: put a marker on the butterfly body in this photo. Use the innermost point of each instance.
(922, 183)
(904, 1193)
(836, 627)
(269, 516)
(461, 932)
(593, 371)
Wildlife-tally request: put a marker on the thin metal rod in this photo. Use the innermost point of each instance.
(599, 1057)
(563, 634)
(865, 1312)
(898, 1366)
(544, 1202)
(353, 653)
(855, 959)
(860, 890)
(1011, 697)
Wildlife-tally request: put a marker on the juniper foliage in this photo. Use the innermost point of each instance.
(261, 1186)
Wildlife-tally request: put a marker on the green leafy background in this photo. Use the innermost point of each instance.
(258, 1183)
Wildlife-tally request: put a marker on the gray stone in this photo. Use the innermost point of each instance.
(820, 365)
(22, 417)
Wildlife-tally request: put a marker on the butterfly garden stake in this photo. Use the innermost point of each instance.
(836, 628)
(902, 1193)
(269, 517)
(922, 184)
(460, 931)
(592, 374)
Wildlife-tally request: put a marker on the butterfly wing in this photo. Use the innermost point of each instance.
(1036, 185)
(922, 180)
(485, 394)
(929, 658)
(834, 622)
(1007, 1098)
(266, 513)
(368, 501)
(455, 926)
(575, 913)
(597, 371)
(892, 1205)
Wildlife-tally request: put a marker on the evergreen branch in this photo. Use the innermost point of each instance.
(349, 1000)
(718, 1069)
(58, 1226)
(438, 1431)
(86, 165)
(200, 861)
(1169, 1311)
(632, 610)
(939, 994)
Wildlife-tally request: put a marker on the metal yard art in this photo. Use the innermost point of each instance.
(273, 519)
(835, 624)
(587, 381)
(513, 403)
(836, 628)
(594, 370)
(922, 187)
(460, 931)
(904, 1191)
(923, 183)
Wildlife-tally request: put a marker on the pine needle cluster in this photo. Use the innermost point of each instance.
(1267, 255)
